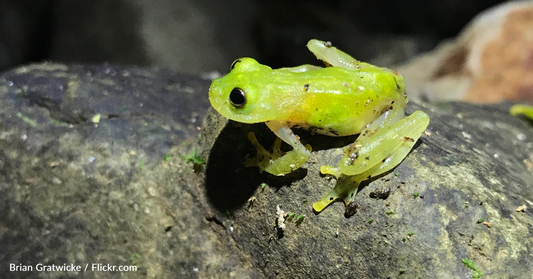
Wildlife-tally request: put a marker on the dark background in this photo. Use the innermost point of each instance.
(206, 35)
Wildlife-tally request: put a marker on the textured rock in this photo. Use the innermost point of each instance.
(76, 192)
(491, 61)
(474, 162)
(80, 192)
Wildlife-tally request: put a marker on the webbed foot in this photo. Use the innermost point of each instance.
(345, 189)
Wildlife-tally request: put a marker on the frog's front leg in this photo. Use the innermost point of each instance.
(275, 162)
(376, 150)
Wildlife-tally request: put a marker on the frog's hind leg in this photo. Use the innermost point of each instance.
(374, 146)
(374, 153)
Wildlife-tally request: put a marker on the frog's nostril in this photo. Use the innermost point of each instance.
(237, 97)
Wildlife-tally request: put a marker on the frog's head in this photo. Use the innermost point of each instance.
(241, 94)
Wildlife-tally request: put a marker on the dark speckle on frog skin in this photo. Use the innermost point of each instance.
(352, 158)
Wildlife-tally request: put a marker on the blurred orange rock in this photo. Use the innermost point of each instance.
(491, 61)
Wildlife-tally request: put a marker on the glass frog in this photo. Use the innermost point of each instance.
(347, 97)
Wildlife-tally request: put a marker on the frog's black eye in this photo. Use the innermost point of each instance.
(237, 97)
(233, 64)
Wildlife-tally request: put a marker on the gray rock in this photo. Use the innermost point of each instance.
(474, 163)
(119, 192)
(76, 192)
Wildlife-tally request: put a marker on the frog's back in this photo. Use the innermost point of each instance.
(338, 101)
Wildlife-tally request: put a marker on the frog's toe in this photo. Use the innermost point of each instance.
(331, 170)
(345, 189)
(325, 201)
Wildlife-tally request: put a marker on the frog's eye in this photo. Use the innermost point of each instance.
(233, 64)
(237, 97)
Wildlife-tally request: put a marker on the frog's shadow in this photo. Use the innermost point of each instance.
(229, 184)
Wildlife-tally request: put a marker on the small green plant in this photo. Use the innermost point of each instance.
(59, 123)
(370, 220)
(480, 220)
(141, 165)
(416, 195)
(476, 274)
(263, 186)
(291, 216)
(402, 270)
(410, 234)
(193, 157)
(389, 212)
(134, 259)
(299, 220)
(26, 119)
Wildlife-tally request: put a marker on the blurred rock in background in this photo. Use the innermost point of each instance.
(491, 61)
(207, 35)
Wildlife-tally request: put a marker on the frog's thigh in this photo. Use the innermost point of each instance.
(384, 120)
(291, 160)
(371, 149)
(422, 121)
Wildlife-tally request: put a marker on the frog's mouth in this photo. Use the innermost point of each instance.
(251, 113)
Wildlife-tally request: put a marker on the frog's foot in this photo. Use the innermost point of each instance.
(274, 161)
(345, 189)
